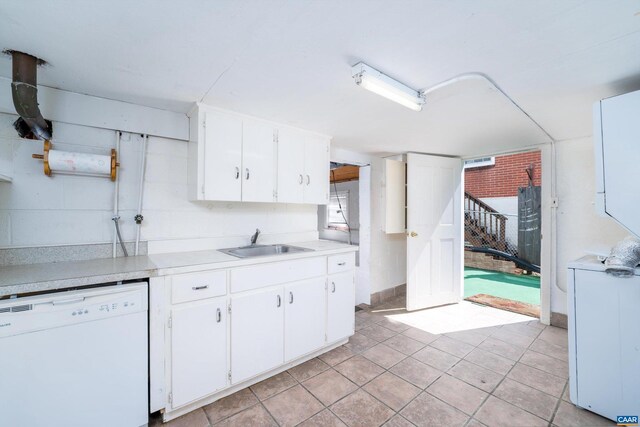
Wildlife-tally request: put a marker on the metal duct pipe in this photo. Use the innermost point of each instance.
(624, 258)
(24, 89)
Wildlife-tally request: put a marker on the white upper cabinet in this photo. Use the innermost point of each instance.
(258, 161)
(290, 166)
(222, 153)
(233, 157)
(303, 167)
(316, 170)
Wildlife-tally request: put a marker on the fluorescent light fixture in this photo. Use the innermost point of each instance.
(377, 82)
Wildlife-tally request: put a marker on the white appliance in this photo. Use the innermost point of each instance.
(604, 339)
(76, 358)
(604, 331)
(616, 137)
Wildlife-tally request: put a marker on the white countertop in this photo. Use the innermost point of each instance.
(22, 279)
(592, 263)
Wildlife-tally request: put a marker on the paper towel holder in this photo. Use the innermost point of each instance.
(48, 146)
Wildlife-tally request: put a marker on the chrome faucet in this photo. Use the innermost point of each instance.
(254, 238)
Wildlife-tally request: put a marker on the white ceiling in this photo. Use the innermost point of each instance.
(290, 61)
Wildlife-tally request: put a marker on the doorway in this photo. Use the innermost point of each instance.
(502, 231)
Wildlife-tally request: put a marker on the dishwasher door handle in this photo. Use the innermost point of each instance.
(68, 301)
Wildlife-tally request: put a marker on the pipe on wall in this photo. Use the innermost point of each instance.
(143, 165)
(24, 90)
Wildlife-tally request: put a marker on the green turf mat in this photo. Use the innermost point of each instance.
(503, 285)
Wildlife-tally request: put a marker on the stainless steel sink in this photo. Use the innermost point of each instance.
(263, 250)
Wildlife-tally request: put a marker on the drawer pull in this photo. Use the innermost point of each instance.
(290, 297)
(279, 301)
(247, 170)
(308, 180)
(333, 287)
(199, 288)
(237, 172)
(218, 315)
(300, 179)
(342, 263)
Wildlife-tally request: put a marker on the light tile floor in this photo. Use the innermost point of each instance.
(457, 365)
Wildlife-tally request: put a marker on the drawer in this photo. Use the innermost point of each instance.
(195, 286)
(259, 276)
(342, 262)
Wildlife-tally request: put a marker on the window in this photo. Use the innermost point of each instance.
(478, 163)
(335, 218)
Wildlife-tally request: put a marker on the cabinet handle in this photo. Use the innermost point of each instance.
(199, 288)
(308, 180)
(290, 297)
(279, 301)
(333, 287)
(301, 179)
(218, 316)
(237, 172)
(342, 263)
(247, 169)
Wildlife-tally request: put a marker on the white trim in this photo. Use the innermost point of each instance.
(86, 110)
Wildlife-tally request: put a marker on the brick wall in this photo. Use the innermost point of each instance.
(503, 178)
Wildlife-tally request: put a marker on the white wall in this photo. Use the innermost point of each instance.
(354, 215)
(579, 227)
(36, 210)
(388, 251)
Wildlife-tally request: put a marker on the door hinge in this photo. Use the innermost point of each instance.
(229, 309)
(169, 322)
(170, 398)
(229, 375)
(325, 337)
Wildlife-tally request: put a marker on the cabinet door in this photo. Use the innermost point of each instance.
(257, 333)
(290, 166)
(304, 317)
(316, 165)
(258, 162)
(222, 156)
(340, 306)
(198, 350)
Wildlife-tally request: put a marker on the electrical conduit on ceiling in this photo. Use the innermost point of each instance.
(552, 141)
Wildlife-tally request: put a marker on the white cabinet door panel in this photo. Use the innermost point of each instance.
(198, 350)
(340, 306)
(258, 162)
(291, 179)
(222, 156)
(316, 165)
(257, 333)
(304, 318)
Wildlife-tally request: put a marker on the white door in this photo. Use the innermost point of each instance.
(304, 317)
(258, 162)
(340, 306)
(434, 231)
(198, 350)
(222, 157)
(316, 170)
(257, 333)
(290, 166)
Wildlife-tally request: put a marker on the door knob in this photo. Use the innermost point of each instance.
(413, 234)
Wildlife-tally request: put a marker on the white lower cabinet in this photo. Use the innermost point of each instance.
(257, 333)
(229, 328)
(340, 306)
(198, 350)
(304, 317)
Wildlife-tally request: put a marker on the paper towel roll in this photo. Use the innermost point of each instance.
(66, 161)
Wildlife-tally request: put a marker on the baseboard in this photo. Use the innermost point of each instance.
(387, 294)
(559, 320)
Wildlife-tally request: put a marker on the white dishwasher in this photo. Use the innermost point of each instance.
(76, 358)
